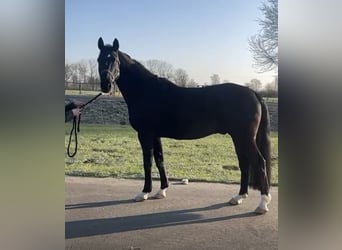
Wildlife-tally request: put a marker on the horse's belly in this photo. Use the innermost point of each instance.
(190, 131)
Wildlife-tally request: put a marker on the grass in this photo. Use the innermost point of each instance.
(105, 151)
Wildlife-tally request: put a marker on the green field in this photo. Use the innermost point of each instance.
(115, 151)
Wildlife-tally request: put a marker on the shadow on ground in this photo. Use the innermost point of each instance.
(93, 227)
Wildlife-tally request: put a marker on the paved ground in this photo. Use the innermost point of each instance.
(100, 214)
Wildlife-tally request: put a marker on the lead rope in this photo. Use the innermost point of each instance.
(74, 130)
(70, 137)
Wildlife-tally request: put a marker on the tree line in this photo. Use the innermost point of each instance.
(83, 75)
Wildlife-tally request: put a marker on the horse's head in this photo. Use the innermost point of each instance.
(109, 65)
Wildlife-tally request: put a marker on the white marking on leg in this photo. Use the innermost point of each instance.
(141, 197)
(237, 199)
(161, 194)
(263, 208)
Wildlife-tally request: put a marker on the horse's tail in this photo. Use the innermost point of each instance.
(264, 145)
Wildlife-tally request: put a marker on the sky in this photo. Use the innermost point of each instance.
(203, 37)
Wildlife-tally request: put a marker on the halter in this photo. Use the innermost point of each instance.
(116, 70)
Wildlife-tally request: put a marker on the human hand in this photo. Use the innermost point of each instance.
(76, 112)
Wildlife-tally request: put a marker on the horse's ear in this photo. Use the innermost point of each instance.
(116, 44)
(100, 43)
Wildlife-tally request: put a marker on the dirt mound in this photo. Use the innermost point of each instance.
(104, 110)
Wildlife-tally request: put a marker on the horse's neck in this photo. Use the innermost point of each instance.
(133, 82)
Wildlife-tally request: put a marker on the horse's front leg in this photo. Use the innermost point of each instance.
(146, 143)
(159, 160)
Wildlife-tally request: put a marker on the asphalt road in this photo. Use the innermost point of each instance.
(100, 214)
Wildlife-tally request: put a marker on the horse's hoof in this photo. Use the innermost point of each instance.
(260, 210)
(234, 202)
(141, 197)
(237, 200)
(161, 194)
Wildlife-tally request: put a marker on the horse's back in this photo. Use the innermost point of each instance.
(223, 100)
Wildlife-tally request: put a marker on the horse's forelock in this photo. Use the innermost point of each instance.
(107, 49)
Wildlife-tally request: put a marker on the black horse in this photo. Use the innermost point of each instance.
(158, 108)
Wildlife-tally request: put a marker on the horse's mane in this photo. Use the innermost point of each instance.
(139, 67)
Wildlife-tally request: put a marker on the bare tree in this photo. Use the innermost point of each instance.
(92, 67)
(192, 83)
(180, 77)
(93, 78)
(67, 72)
(271, 88)
(254, 84)
(74, 70)
(276, 82)
(215, 79)
(264, 46)
(160, 68)
(272, 85)
(82, 73)
(151, 65)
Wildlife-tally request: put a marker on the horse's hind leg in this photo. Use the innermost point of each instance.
(260, 180)
(244, 168)
(159, 160)
(253, 172)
